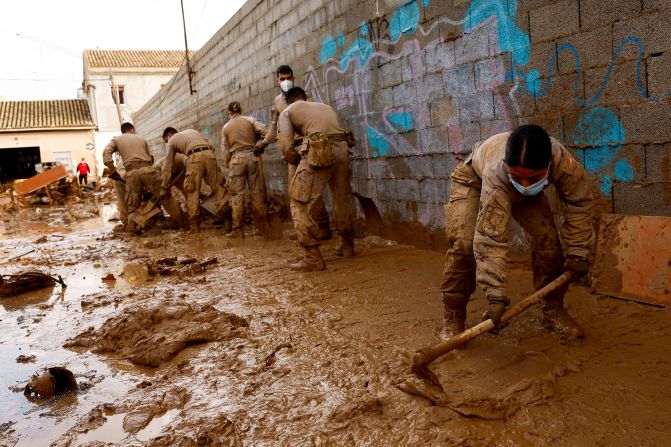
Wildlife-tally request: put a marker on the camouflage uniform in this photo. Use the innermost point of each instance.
(305, 118)
(320, 215)
(481, 205)
(238, 138)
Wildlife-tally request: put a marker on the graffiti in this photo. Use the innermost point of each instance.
(387, 87)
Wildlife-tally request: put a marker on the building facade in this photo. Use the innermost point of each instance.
(36, 132)
(117, 83)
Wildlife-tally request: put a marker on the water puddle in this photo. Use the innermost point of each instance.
(110, 432)
(157, 424)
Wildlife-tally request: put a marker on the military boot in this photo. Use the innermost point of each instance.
(454, 316)
(312, 262)
(345, 247)
(558, 320)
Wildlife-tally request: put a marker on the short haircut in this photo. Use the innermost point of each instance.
(168, 131)
(529, 146)
(127, 127)
(296, 94)
(235, 107)
(285, 70)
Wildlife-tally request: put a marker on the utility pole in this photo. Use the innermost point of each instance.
(186, 46)
(115, 91)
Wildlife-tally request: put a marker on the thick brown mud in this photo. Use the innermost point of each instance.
(250, 353)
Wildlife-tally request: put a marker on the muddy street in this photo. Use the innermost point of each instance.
(243, 351)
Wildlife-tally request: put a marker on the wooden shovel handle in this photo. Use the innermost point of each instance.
(429, 354)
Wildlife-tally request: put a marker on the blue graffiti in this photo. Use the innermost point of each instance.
(511, 37)
(329, 49)
(361, 49)
(402, 121)
(404, 20)
(377, 141)
(602, 132)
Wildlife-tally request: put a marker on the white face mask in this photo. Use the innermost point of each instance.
(286, 85)
(531, 190)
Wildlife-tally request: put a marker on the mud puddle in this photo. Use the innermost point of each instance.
(322, 359)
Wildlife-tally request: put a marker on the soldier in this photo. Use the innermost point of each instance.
(504, 178)
(241, 151)
(324, 159)
(284, 77)
(201, 163)
(137, 161)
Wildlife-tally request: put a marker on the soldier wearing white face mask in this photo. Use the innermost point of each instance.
(285, 80)
(504, 178)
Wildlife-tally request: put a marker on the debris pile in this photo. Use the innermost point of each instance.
(12, 285)
(52, 382)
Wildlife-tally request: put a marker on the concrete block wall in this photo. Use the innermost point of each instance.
(420, 81)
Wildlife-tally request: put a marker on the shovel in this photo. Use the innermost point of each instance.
(427, 355)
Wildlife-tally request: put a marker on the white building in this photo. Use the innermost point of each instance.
(35, 132)
(117, 83)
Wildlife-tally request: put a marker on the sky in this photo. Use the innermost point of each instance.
(41, 41)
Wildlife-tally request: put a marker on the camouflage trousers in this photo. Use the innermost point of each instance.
(246, 173)
(199, 166)
(306, 189)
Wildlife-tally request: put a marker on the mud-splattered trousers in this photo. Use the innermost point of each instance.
(139, 180)
(306, 189)
(245, 172)
(200, 166)
(482, 202)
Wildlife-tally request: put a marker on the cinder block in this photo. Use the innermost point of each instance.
(433, 190)
(475, 45)
(624, 86)
(404, 94)
(658, 163)
(647, 122)
(440, 57)
(602, 12)
(554, 20)
(462, 138)
(652, 30)
(476, 107)
(420, 166)
(490, 73)
(653, 199)
(593, 47)
(459, 80)
(386, 189)
(434, 140)
(430, 87)
(444, 165)
(408, 189)
(659, 74)
(654, 5)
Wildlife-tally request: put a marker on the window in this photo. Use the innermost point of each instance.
(65, 158)
(118, 93)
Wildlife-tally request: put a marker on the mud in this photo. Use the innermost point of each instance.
(323, 359)
(153, 334)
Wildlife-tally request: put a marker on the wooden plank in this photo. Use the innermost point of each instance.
(633, 258)
(40, 180)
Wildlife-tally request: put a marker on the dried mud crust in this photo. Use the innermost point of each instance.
(151, 334)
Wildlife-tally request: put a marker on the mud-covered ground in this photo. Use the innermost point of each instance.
(245, 352)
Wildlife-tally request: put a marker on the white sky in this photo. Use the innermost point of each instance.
(41, 41)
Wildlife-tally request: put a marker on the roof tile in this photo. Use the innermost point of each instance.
(135, 58)
(51, 114)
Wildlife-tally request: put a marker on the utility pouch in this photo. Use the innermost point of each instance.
(320, 152)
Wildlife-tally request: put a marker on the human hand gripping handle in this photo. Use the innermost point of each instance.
(578, 266)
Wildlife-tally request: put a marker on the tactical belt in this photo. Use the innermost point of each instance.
(195, 149)
(337, 137)
(133, 166)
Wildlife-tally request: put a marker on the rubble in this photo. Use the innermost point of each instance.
(52, 382)
(12, 285)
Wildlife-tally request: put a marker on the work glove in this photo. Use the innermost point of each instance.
(578, 266)
(259, 148)
(495, 312)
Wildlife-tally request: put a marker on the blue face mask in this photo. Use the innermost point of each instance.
(531, 190)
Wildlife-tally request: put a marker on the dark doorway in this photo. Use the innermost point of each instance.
(18, 162)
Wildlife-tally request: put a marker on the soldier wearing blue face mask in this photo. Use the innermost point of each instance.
(503, 178)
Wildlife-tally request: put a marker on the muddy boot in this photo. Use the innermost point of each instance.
(312, 262)
(236, 233)
(558, 320)
(345, 247)
(324, 234)
(454, 316)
